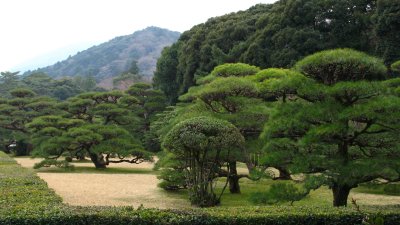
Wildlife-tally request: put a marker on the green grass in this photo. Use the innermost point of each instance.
(392, 189)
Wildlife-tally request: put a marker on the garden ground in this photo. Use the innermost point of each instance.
(136, 184)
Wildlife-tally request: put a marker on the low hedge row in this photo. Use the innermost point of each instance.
(26, 199)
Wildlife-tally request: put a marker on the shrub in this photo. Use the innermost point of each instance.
(279, 192)
(53, 162)
(234, 69)
(172, 179)
(392, 189)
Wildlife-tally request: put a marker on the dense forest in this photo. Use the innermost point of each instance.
(110, 59)
(278, 35)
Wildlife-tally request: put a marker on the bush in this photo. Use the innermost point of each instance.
(392, 189)
(279, 192)
(53, 162)
(234, 69)
(172, 179)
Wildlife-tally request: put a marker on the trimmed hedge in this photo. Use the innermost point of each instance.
(26, 199)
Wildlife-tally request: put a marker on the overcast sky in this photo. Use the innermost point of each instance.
(34, 28)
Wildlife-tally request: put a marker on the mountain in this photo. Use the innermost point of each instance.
(278, 35)
(111, 58)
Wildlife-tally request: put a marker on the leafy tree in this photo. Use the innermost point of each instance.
(8, 81)
(330, 67)
(204, 144)
(340, 124)
(44, 85)
(150, 102)
(226, 94)
(21, 109)
(387, 29)
(94, 124)
(165, 74)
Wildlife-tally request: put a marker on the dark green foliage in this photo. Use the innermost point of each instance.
(115, 56)
(52, 162)
(332, 66)
(204, 144)
(395, 67)
(8, 81)
(172, 179)
(22, 107)
(44, 85)
(149, 103)
(345, 130)
(97, 125)
(278, 35)
(392, 189)
(387, 30)
(279, 192)
(165, 75)
(234, 69)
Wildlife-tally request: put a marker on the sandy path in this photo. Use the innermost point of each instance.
(90, 189)
(371, 199)
(110, 190)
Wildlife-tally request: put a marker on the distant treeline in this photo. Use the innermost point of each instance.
(278, 35)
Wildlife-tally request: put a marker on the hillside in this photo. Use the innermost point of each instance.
(277, 35)
(115, 56)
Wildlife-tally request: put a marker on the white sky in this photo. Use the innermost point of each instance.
(31, 28)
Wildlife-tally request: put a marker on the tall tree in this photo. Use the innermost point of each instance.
(387, 30)
(228, 95)
(340, 122)
(150, 102)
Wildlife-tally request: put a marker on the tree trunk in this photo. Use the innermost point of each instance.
(234, 187)
(98, 161)
(340, 194)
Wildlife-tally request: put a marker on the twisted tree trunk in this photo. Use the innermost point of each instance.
(340, 194)
(98, 160)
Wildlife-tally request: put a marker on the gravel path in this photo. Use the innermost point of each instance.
(90, 189)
